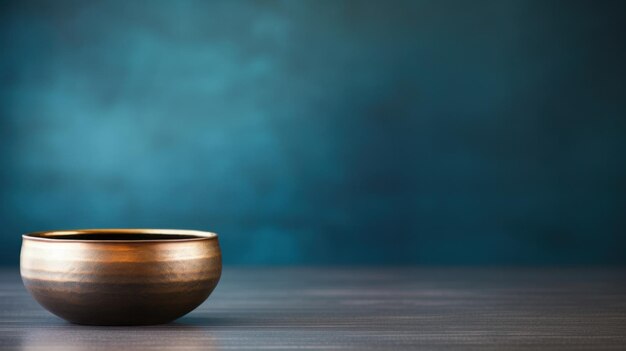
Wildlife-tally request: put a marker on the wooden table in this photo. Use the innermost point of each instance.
(377, 308)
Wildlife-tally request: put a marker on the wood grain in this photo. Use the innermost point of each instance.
(359, 309)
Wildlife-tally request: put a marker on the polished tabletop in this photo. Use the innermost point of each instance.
(359, 309)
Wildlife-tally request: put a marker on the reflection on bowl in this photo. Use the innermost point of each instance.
(70, 338)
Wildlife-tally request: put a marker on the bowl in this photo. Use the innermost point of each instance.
(120, 276)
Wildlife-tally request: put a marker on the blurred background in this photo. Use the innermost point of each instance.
(321, 132)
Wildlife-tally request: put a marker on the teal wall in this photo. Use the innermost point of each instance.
(321, 132)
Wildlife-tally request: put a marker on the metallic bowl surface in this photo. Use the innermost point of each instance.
(120, 282)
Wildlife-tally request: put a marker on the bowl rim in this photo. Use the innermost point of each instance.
(49, 235)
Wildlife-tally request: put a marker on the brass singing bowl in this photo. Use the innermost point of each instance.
(120, 276)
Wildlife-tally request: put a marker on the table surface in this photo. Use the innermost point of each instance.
(361, 309)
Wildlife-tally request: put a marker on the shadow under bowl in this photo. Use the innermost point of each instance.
(120, 276)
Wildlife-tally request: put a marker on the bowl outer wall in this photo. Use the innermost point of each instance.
(120, 282)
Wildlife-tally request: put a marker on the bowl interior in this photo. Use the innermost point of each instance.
(119, 236)
(122, 235)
